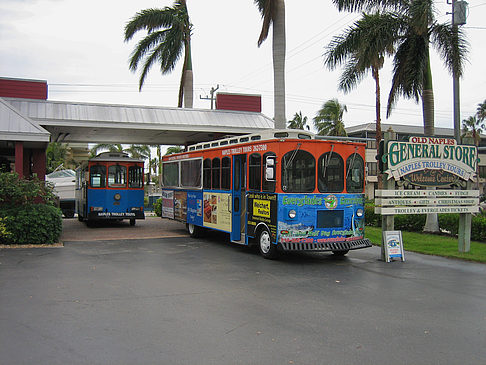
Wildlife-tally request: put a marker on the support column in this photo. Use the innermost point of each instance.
(39, 163)
(19, 158)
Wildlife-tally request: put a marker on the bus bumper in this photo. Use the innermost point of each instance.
(326, 246)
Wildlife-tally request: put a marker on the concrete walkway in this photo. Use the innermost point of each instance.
(151, 227)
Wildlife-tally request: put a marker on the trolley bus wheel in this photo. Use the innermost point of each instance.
(194, 231)
(340, 253)
(132, 222)
(267, 249)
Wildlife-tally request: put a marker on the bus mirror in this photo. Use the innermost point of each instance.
(269, 174)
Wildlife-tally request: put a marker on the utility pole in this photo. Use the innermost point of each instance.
(459, 9)
(213, 90)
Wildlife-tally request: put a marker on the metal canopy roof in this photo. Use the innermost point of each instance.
(107, 123)
(14, 126)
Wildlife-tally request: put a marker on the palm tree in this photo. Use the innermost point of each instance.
(415, 29)
(173, 149)
(139, 151)
(298, 122)
(168, 37)
(475, 126)
(361, 48)
(273, 13)
(105, 147)
(329, 119)
(481, 111)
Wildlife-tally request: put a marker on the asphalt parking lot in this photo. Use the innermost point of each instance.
(157, 296)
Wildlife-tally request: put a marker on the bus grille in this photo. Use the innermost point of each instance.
(326, 246)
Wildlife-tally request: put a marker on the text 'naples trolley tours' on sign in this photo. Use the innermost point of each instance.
(281, 190)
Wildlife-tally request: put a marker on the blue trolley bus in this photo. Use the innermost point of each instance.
(281, 190)
(110, 187)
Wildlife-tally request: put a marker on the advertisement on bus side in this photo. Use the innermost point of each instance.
(262, 208)
(194, 207)
(319, 218)
(217, 211)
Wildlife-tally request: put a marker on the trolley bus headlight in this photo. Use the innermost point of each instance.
(117, 196)
(292, 214)
(359, 212)
(96, 209)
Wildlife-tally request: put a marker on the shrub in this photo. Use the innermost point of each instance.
(16, 191)
(28, 214)
(410, 222)
(449, 223)
(158, 207)
(4, 234)
(371, 218)
(32, 224)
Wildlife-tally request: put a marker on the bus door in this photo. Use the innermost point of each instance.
(239, 201)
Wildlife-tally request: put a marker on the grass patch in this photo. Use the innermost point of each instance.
(431, 244)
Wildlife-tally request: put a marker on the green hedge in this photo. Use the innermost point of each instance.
(158, 207)
(448, 223)
(31, 224)
(28, 214)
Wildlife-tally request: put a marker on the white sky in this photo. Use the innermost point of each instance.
(77, 46)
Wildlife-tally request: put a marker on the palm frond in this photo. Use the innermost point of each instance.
(367, 5)
(452, 46)
(410, 63)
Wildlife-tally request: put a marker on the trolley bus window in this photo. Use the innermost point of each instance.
(207, 174)
(255, 173)
(215, 169)
(269, 170)
(354, 174)
(135, 177)
(97, 176)
(170, 174)
(191, 173)
(298, 172)
(117, 176)
(226, 173)
(331, 173)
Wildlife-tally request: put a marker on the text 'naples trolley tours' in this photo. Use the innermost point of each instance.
(282, 190)
(110, 187)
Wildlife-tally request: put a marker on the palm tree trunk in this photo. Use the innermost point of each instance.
(428, 101)
(279, 41)
(181, 88)
(432, 222)
(376, 76)
(188, 78)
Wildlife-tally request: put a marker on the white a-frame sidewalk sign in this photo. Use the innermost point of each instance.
(393, 245)
(433, 175)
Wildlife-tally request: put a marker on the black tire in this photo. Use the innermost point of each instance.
(132, 222)
(80, 218)
(69, 213)
(340, 253)
(194, 231)
(267, 249)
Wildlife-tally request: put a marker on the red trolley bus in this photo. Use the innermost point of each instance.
(282, 190)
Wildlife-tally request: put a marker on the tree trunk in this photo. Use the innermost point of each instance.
(432, 221)
(278, 47)
(186, 88)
